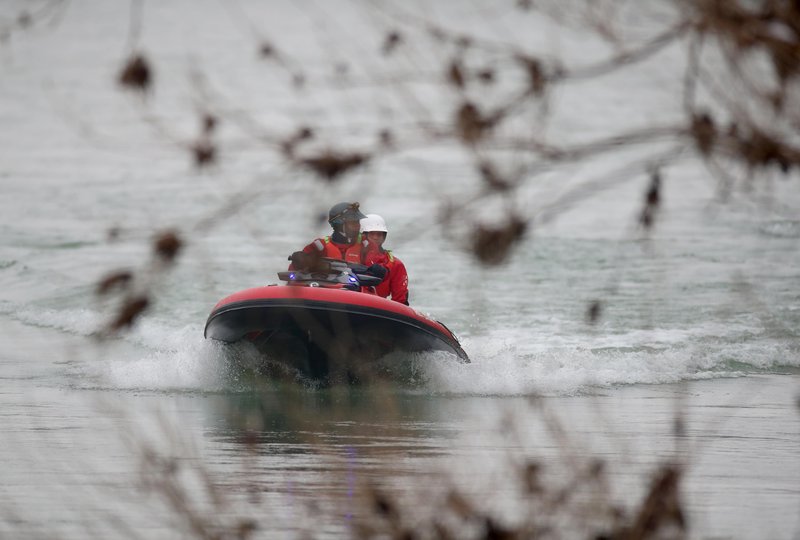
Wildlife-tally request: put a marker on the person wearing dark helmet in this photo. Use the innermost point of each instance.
(374, 231)
(345, 242)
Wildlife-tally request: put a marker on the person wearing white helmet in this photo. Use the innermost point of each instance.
(374, 232)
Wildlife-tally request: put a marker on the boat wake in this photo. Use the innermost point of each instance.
(158, 356)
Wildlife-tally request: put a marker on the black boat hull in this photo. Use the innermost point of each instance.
(329, 337)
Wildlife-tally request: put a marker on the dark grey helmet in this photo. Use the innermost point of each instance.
(344, 211)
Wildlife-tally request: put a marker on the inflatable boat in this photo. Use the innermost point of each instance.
(323, 326)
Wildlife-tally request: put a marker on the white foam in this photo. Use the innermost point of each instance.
(197, 365)
(158, 355)
(501, 366)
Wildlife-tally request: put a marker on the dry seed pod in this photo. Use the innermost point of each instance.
(266, 50)
(167, 245)
(455, 74)
(204, 153)
(471, 126)
(136, 74)
(393, 39)
(386, 138)
(704, 133)
(651, 201)
(209, 122)
(594, 311)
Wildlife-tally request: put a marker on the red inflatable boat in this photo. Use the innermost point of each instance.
(321, 326)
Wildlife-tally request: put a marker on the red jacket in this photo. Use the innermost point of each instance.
(396, 282)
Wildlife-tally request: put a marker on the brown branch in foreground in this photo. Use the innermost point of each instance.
(477, 125)
(330, 165)
(492, 245)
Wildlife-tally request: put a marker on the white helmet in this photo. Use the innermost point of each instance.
(373, 222)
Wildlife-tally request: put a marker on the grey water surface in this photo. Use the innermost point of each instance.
(694, 361)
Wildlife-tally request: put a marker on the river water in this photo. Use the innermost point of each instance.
(694, 361)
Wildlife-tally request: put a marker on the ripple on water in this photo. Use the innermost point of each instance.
(784, 228)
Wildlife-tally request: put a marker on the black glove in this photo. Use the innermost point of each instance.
(377, 270)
